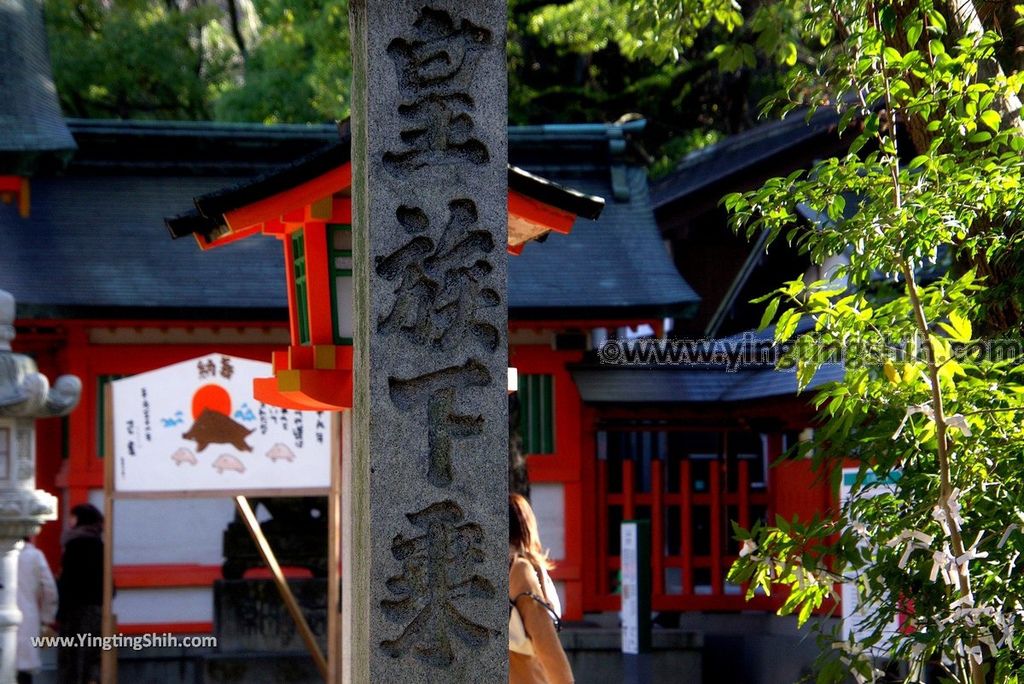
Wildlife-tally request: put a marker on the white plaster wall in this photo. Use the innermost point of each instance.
(548, 502)
(159, 531)
(146, 606)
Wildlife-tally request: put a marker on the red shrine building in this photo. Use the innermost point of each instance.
(103, 293)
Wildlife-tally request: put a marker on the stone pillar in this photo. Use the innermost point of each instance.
(25, 394)
(425, 550)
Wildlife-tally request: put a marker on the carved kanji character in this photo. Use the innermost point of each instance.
(436, 578)
(440, 288)
(436, 394)
(435, 68)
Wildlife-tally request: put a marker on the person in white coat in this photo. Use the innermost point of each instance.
(37, 601)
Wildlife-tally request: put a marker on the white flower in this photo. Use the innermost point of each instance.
(859, 528)
(749, 547)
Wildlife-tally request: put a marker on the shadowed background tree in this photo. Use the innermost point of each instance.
(287, 61)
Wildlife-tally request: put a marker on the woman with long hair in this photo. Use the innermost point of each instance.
(540, 658)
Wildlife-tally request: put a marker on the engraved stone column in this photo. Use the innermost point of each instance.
(425, 555)
(25, 394)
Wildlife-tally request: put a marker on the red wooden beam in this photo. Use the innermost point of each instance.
(164, 627)
(275, 206)
(15, 189)
(536, 212)
(165, 575)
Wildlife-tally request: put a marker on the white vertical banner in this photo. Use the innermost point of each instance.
(630, 585)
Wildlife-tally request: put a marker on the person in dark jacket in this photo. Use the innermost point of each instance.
(80, 589)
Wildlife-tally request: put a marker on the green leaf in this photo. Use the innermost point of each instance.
(918, 161)
(769, 314)
(805, 612)
(914, 31)
(805, 372)
(958, 328)
(787, 325)
(836, 208)
(938, 21)
(890, 372)
(991, 119)
(788, 53)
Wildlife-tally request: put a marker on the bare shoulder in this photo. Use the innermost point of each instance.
(522, 577)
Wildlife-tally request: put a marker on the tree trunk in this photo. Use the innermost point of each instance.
(1002, 309)
(236, 29)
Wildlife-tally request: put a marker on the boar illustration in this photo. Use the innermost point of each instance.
(213, 427)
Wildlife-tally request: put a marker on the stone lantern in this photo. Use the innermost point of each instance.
(25, 394)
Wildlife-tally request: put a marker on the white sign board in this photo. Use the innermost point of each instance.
(194, 427)
(853, 613)
(630, 589)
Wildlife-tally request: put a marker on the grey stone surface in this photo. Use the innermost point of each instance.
(426, 565)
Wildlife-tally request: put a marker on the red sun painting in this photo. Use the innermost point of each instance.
(213, 397)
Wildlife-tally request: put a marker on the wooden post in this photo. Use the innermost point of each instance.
(339, 436)
(249, 517)
(347, 552)
(108, 657)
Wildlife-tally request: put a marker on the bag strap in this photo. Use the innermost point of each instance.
(547, 606)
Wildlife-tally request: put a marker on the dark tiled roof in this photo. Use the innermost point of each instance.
(666, 385)
(718, 162)
(188, 148)
(97, 245)
(96, 233)
(32, 131)
(617, 266)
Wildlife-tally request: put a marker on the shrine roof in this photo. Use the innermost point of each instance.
(708, 166)
(693, 384)
(613, 268)
(95, 246)
(96, 231)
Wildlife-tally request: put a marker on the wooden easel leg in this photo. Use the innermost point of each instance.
(249, 517)
(108, 657)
